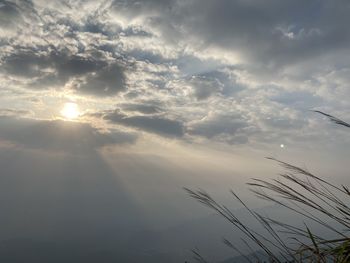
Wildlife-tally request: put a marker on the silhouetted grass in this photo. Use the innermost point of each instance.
(304, 194)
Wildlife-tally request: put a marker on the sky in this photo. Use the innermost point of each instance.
(109, 108)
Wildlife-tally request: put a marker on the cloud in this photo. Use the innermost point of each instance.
(200, 71)
(193, 56)
(224, 127)
(15, 112)
(273, 33)
(144, 108)
(46, 68)
(154, 124)
(9, 14)
(63, 52)
(58, 135)
(107, 81)
(214, 82)
(15, 13)
(204, 87)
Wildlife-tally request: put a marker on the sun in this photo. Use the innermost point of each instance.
(70, 110)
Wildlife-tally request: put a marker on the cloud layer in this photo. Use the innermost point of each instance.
(58, 135)
(182, 68)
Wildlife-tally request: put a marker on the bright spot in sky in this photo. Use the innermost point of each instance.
(282, 145)
(70, 110)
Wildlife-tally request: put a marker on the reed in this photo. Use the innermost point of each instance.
(306, 195)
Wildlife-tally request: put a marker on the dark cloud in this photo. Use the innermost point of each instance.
(136, 31)
(57, 55)
(141, 108)
(107, 81)
(15, 112)
(44, 68)
(217, 125)
(76, 65)
(14, 13)
(209, 83)
(271, 33)
(26, 63)
(154, 124)
(58, 135)
(9, 14)
(204, 87)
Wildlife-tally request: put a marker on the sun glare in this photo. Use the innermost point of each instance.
(70, 110)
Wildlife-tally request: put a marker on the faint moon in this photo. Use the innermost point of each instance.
(282, 145)
(70, 110)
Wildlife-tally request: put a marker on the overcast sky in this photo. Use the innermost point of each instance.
(163, 94)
